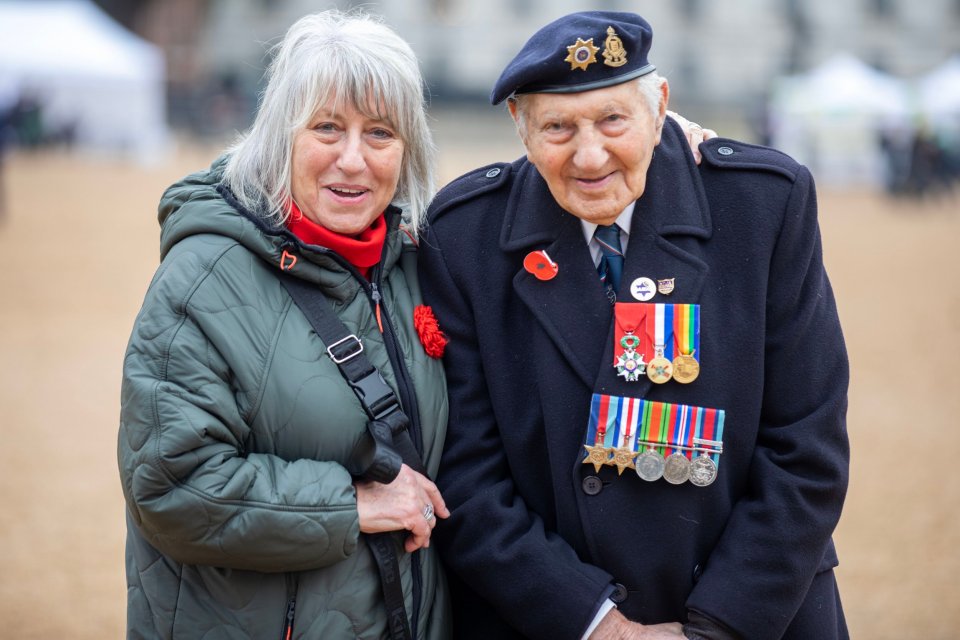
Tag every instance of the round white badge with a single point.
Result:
(643, 289)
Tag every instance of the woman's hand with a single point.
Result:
(694, 132)
(404, 504)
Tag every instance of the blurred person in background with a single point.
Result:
(258, 481)
(9, 96)
(6, 135)
(646, 371)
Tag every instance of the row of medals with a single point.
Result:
(630, 364)
(651, 466)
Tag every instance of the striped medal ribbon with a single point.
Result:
(708, 443)
(659, 330)
(676, 442)
(686, 339)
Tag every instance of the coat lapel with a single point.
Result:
(669, 220)
(572, 307)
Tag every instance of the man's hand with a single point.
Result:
(615, 626)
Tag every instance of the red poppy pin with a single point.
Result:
(428, 329)
(540, 265)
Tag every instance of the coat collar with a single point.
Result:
(572, 307)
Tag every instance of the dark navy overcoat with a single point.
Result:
(535, 542)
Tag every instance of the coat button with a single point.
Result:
(619, 594)
(493, 173)
(697, 572)
(592, 485)
(725, 151)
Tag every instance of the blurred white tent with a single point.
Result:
(938, 93)
(88, 73)
(831, 120)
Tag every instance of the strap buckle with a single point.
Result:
(375, 394)
(353, 348)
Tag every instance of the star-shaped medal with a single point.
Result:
(623, 459)
(597, 455)
(630, 365)
(581, 54)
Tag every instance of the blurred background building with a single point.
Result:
(846, 87)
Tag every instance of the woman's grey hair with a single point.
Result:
(648, 86)
(349, 58)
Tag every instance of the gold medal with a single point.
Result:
(685, 368)
(597, 455)
(659, 369)
(623, 459)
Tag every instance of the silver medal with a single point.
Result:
(676, 468)
(649, 465)
(703, 471)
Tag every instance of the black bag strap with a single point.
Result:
(388, 423)
(387, 426)
(384, 550)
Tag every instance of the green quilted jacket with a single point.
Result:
(238, 434)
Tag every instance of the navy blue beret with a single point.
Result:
(579, 52)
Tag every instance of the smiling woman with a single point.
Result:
(263, 493)
(346, 167)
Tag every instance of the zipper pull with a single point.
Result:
(375, 296)
(290, 607)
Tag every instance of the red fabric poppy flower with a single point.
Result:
(428, 329)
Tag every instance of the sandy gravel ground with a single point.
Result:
(78, 244)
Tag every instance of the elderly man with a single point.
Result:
(646, 371)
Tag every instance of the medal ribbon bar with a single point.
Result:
(668, 330)
(619, 424)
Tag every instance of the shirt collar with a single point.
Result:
(623, 221)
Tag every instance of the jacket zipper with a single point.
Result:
(405, 386)
(409, 400)
(293, 584)
(288, 626)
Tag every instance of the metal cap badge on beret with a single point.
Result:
(579, 52)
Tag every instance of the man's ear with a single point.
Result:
(512, 106)
(664, 101)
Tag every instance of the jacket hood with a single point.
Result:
(196, 205)
(202, 204)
